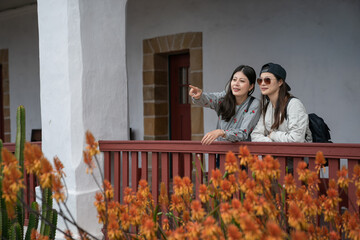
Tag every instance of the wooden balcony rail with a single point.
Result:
(29, 181)
(126, 162)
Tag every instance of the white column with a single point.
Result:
(83, 87)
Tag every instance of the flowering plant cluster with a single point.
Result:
(233, 205)
(236, 205)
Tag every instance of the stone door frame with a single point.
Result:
(156, 82)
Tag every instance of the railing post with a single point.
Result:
(125, 170)
(134, 171)
(117, 174)
(144, 166)
(199, 173)
(175, 164)
(155, 176)
(353, 207)
(187, 165)
(107, 168)
(295, 173)
(165, 176)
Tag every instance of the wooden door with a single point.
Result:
(1, 107)
(180, 121)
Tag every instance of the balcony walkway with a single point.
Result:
(126, 162)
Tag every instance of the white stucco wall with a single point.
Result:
(19, 34)
(317, 42)
(83, 87)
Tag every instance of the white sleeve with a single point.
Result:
(258, 134)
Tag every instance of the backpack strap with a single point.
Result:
(285, 112)
(249, 103)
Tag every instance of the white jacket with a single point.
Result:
(294, 128)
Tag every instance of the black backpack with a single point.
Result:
(319, 129)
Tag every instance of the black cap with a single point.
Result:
(277, 70)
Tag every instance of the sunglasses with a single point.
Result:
(266, 80)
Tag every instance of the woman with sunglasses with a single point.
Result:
(238, 111)
(283, 117)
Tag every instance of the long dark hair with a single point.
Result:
(228, 105)
(283, 97)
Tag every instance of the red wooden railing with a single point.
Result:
(29, 181)
(122, 159)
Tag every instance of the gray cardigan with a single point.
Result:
(241, 124)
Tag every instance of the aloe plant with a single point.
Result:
(14, 229)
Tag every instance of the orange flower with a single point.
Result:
(32, 158)
(100, 207)
(163, 198)
(178, 234)
(289, 181)
(272, 167)
(299, 235)
(356, 172)
(358, 196)
(203, 193)
(187, 186)
(225, 190)
(186, 216)
(210, 230)
(231, 164)
(245, 156)
(113, 228)
(108, 190)
(58, 190)
(296, 217)
(12, 181)
(88, 160)
(225, 212)
(319, 161)
(262, 206)
(176, 203)
(128, 196)
(343, 180)
(67, 236)
(92, 145)
(308, 205)
(216, 177)
(165, 224)
(332, 195)
(144, 194)
(46, 174)
(59, 166)
(197, 212)
(148, 228)
(274, 232)
(125, 221)
(35, 235)
(234, 233)
(243, 176)
(135, 215)
(302, 170)
(250, 227)
(233, 181)
(193, 230)
(334, 236)
(259, 169)
(178, 186)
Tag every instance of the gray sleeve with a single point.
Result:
(240, 130)
(210, 100)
